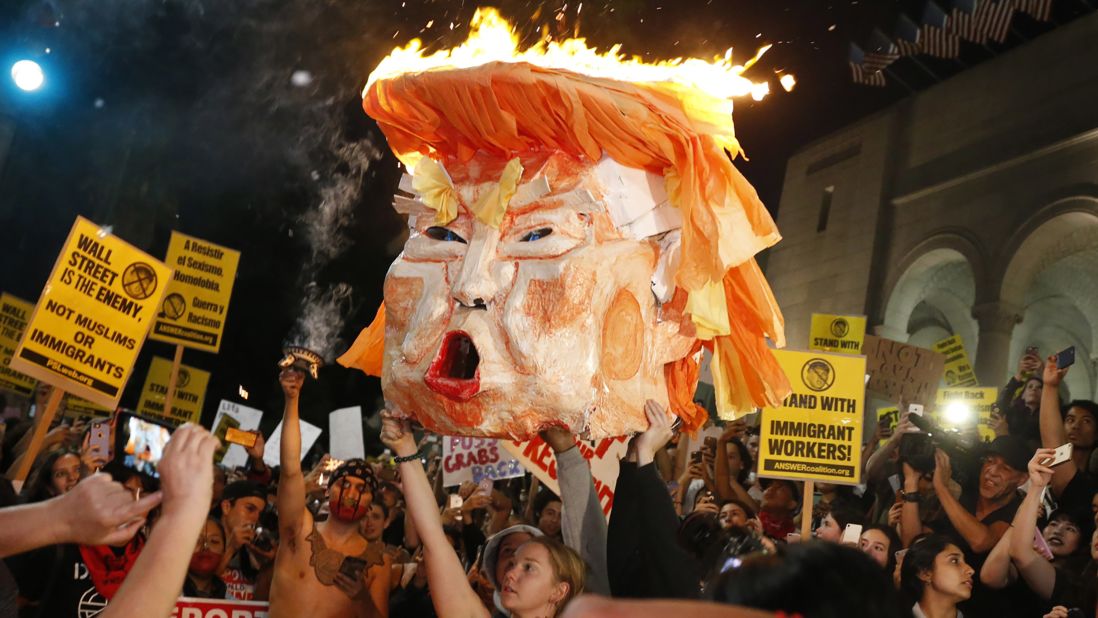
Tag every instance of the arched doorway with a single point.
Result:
(1052, 276)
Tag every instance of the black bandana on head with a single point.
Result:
(357, 468)
(339, 505)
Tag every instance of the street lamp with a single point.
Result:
(27, 75)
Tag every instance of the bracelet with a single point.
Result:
(910, 497)
(414, 456)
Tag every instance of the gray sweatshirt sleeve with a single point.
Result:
(582, 521)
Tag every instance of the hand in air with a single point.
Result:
(291, 380)
(1040, 474)
(1053, 374)
(99, 511)
(397, 435)
(659, 432)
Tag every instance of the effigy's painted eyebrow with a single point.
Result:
(530, 192)
(411, 207)
(579, 200)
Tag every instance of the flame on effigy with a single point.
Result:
(493, 39)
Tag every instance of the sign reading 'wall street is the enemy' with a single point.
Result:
(194, 309)
(816, 433)
(14, 313)
(93, 315)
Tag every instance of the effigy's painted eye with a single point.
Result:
(444, 234)
(537, 234)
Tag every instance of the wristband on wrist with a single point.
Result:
(909, 496)
(414, 456)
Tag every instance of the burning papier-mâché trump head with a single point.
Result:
(577, 234)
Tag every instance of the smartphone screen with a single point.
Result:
(1066, 358)
(455, 501)
(1041, 545)
(851, 534)
(99, 440)
(1063, 453)
(142, 444)
(352, 567)
(484, 487)
(246, 439)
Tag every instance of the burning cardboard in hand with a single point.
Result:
(302, 359)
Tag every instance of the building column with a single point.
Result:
(889, 332)
(997, 321)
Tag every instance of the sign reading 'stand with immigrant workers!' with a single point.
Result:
(197, 301)
(190, 392)
(837, 333)
(816, 433)
(93, 315)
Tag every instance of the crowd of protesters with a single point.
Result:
(942, 525)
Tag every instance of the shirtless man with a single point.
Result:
(310, 575)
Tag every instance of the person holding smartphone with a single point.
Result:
(543, 577)
(1020, 399)
(242, 502)
(326, 568)
(1072, 483)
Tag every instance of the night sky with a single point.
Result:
(240, 123)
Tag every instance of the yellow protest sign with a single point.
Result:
(960, 408)
(76, 407)
(837, 333)
(14, 313)
(194, 309)
(816, 433)
(93, 315)
(888, 417)
(958, 369)
(190, 392)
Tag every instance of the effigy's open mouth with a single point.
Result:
(454, 372)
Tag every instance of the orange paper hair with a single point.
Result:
(368, 351)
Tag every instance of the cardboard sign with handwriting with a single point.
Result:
(898, 371)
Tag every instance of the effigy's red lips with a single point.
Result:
(455, 370)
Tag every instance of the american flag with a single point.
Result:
(860, 73)
(993, 20)
(1041, 10)
(907, 37)
(963, 20)
(934, 39)
(881, 51)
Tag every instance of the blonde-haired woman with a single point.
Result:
(542, 578)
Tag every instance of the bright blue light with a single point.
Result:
(27, 75)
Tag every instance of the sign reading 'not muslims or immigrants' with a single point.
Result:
(93, 315)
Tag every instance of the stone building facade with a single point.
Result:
(970, 208)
